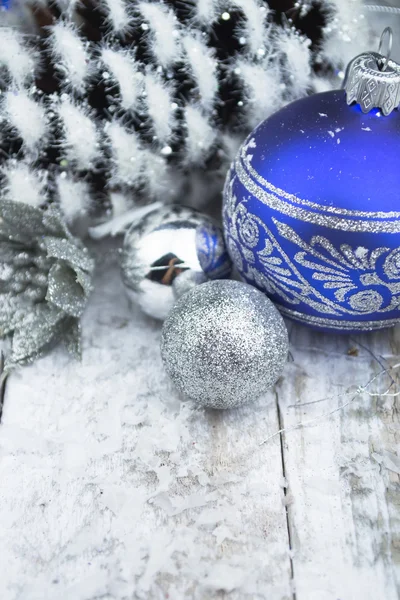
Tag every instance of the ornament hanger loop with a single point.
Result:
(387, 31)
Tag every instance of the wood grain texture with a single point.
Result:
(342, 511)
(113, 488)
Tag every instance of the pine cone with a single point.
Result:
(45, 281)
(114, 103)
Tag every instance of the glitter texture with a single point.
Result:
(223, 344)
(45, 281)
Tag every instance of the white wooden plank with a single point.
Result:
(111, 487)
(343, 505)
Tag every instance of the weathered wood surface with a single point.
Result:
(113, 488)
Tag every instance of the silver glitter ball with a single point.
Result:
(166, 243)
(224, 344)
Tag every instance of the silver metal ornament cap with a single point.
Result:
(373, 80)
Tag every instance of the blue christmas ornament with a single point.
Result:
(312, 204)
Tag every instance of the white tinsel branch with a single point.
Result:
(24, 183)
(26, 116)
(164, 32)
(71, 56)
(16, 58)
(81, 138)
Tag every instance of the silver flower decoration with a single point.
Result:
(45, 281)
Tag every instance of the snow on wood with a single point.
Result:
(344, 519)
(113, 487)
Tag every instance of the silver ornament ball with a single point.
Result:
(186, 281)
(163, 245)
(223, 344)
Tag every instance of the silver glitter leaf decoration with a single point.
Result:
(22, 218)
(65, 291)
(12, 311)
(55, 225)
(85, 280)
(36, 334)
(7, 252)
(9, 233)
(72, 337)
(65, 250)
(45, 281)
